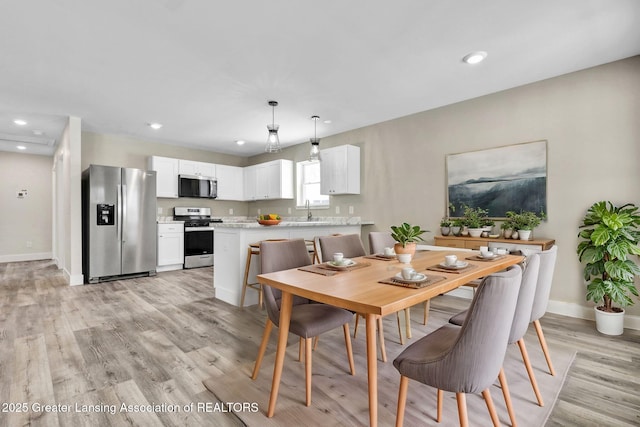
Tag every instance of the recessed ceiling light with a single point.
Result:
(21, 147)
(155, 126)
(326, 122)
(240, 142)
(20, 122)
(475, 57)
(38, 132)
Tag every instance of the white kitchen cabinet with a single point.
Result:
(190, 167)
(340, 170)
(270, 180)
(230, 182)
(166, 175)
(249, 173)
(170, 246)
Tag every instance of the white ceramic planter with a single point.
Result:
(609, 323)
(475, 232)
(524, 234)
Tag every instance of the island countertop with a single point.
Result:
(286, 223)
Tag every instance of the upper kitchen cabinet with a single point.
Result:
(270, 180)
(190, 167)
(340, 170)
(166, 175)
(230, 182)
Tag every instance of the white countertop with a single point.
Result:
(287, 224)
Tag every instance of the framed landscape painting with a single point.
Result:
(502, 179)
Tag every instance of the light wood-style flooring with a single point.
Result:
(149, 341)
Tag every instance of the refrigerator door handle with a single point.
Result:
(124, 210)
(119, 215)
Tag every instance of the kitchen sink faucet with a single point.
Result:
(308, 206)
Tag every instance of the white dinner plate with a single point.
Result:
(347, 263)
(458, 265)
(487, 257)
(418, 278)
(386, 256)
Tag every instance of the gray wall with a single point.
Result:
(27, 219)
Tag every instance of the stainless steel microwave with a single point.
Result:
(197, 186)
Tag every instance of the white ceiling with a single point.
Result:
(206, 69)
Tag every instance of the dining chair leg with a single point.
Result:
(300, 349)
(427, 307)
(439, 405)
(347, 342)
(383, 350)
(527, 365)
(307, 369)
(402, 400)
(399, 328)
(507, 397)
(492, 409)
(407, 321)
(543, 344)
(315, 343)
(462, 409)
(355, 328)
(263, 347)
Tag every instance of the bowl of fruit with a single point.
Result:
(269, 219)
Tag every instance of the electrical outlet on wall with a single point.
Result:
(159, 211)
(230, 211)
(29, 244)
(350, 210)
(337, 209)
(259, 211)
(289, 210)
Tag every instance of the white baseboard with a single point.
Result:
(73, 280)
(582, 312)
(26, 257)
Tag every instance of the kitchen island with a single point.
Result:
(233, 238)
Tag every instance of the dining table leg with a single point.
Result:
(372, 369)
(285, 318)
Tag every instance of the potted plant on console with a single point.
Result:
(407, 237)
(524, 222)
(610, 234)
(445, 226)
(475, 219)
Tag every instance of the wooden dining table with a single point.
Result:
(360, 290)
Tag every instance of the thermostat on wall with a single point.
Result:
(22, 194)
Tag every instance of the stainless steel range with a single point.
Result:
(198, 235)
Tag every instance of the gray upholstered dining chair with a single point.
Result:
(351, 246)
(518, 328)
(465, 359)
(541, 300)
(308, 319)
(378, 240)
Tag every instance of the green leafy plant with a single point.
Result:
(475, 217)
(525, 220)
(406, 233)
(610, 235)
(445, 222)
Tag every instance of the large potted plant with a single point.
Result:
(407, 237)
(610, 234)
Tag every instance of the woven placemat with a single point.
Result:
(451, 270)
(479, 258)
(381, 257)
(327, 270)
(430, 280)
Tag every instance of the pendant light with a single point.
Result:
(273, 142)
(314, 155)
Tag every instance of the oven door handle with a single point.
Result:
(188, 229)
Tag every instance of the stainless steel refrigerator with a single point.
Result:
(118, 223)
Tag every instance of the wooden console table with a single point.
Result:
(468, 242)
